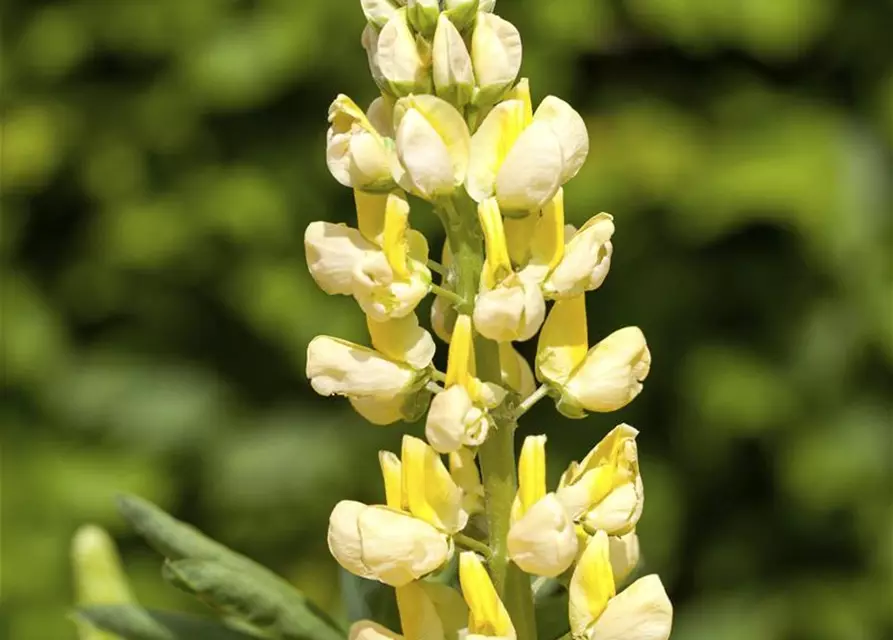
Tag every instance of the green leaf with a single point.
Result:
(369, 600)
(135, 623)
(552, 617)
(225, 578)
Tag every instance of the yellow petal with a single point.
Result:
(497, 265)
(396, 223)
(591, 586)
(516, 372)
(380, 411)
(487, 615)
(548, 238)
(532, 472)
(431, 493)
(371, 214)
(521, 91)
(403, 340)
(418, 617)
(489, 146)
(465, 473)
(460, 362)
(392, 472)
(563, 341)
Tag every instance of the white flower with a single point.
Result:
(385, 544)
(586, 260)
(356, 153)
(523, 162)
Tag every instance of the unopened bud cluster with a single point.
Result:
(455, 127)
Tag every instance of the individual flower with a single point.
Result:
(459, 415)
(507, 307)
(358, 154)
(487, 615)
(596, 611)
(521, 160)
(432, 144)
(604, 491)
(542, 540)
(605, 378)
(496, 55)
(408, 537)
(452, 71)
(395, 61)
(384, 384)
(382, 265)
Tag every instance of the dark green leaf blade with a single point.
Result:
(135, 623)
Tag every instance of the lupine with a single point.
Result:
(455, 128)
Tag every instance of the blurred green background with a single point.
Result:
(161, 159)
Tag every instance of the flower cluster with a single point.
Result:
(454, 131)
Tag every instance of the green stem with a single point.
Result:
(474, 545)
(497, 454)
(449, 295)
(531, 400)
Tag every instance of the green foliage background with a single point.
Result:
(160, 160)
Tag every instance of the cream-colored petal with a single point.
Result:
(380, 411)
(381, 115)
(344, 537)
(403, 340)
(452, 71)
(625, 553)
(378, 12)
(399, 548)
(334, 251)
(586, 261)
(543, 542)
(570, 130)
(496, 53)
(531, 173)
(425, 156)
(642, 611)
(369, 630)
(511, 312)
(445, 427)
(447, 122)
(489, 146)
(339, 367)
(398, 56)
(370, 162)
(619, 511)
(338, 156)
(611, 375)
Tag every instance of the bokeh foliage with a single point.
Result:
(160, 160)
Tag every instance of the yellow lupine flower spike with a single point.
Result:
(430, 492)
(392, 473)
(497, 264)
(592, 585)
(487, 616)
(396, 223)
(531, 473)
(564, 340)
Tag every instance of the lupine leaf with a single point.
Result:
(369, 600)
(552, 617)
(132, 622)
(226, 579)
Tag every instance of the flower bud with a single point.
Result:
(496, 55)
(422, 15)
(586, 260)
(454, 421)
(378, 12)
(597, 612)
(397, 58)
(524, 163)
(432, 144)
(384, 544)
(543, 542)
(452, 71)
(462, 12)
(605, 491)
